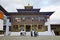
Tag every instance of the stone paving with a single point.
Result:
(29, 38)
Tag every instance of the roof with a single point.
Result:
(55, 24)
(47, 13)
(3, 10)
(25, 12)
(30, 13)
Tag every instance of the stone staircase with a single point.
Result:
(29, 38)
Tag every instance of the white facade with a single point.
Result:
(1, 24)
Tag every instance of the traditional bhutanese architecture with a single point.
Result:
(28, 19)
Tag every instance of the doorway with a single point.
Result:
(28, 28)
(57, 33)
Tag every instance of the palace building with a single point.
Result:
(27, 19)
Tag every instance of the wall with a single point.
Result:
(1, 24)
(47, 33)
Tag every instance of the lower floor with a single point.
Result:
(41, 29)
(28, 28)
(29, 33)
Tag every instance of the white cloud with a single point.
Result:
(45, 5)
(55, 17)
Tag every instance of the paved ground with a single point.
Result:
(29, 38)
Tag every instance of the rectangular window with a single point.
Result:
(9, 28)
(15, 27)
(46, 29)
(21, 27)
(39, 26)
(10, 20)
(34, 27)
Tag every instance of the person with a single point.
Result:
(22, 32)
(32, 33)
(35, 33)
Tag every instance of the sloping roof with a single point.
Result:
(47, 13)
(3, 10)
(33, 10)
(30, 13)
(25, 12)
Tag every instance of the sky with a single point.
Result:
(44, 5)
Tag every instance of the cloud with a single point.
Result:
(45, 5)
(55, 2)
(35, 3)
(55, 17)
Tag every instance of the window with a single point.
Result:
(15, 27)
(10, 20)
(21, 27)
(4, 21)
(23, 18)
(46, 28)
(34, 27)
(39, 26)
(32, 19)
(17, 19)
(9, 28)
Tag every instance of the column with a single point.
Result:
(49, 28)
(7, 27)
(31, 27)
(1, 24)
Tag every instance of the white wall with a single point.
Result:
(45, 33)
(28, 33)
(14, 33)
(18, 33)
(1, 24)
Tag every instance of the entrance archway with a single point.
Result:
(28, 28)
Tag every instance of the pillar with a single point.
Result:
(7, 27)
(49, 28)
(1, 24)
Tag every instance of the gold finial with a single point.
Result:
(28, 7)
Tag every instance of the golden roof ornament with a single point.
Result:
(28, 7)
